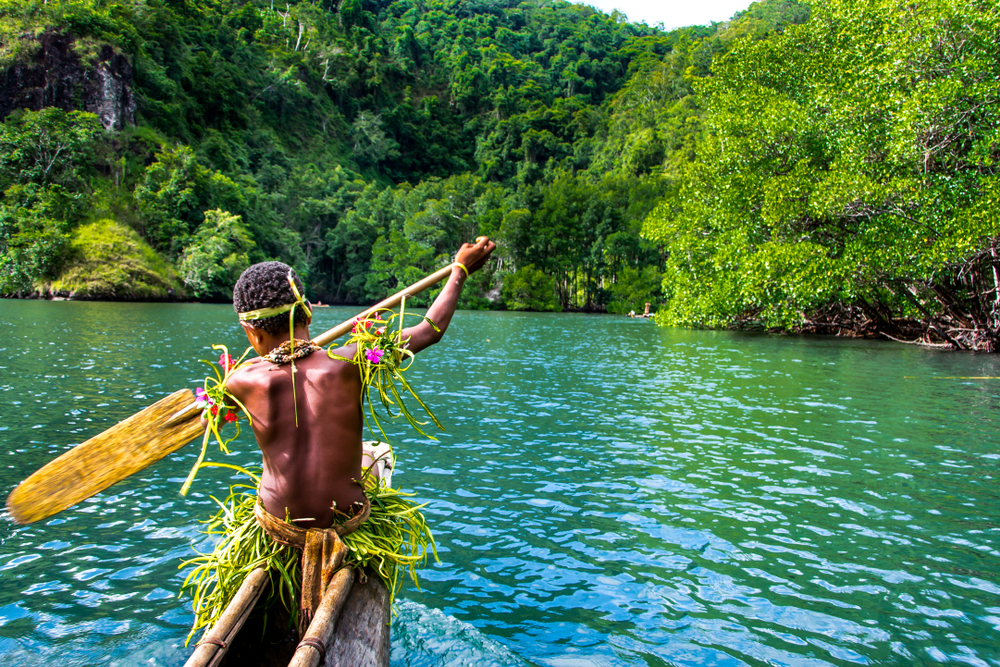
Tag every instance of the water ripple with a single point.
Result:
(606, 493)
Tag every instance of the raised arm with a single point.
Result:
(473, 256)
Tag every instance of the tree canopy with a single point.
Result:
(846, 178)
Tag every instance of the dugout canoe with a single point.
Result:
(351, 625)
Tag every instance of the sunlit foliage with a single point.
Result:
(363, 140)
(844, 177)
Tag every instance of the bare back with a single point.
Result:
(312, 467)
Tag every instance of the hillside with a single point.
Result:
(360, 141)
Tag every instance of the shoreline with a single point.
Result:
(923, 339)
(319, 304)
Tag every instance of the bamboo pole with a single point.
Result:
(324, 623)
(391, 302)
(216, 642)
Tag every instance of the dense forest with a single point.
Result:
(826, 166)
(846, 180)
(158, 147)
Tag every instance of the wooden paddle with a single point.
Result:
(142, 439)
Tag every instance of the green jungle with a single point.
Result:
(826, 166)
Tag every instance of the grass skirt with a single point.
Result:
(393, 539)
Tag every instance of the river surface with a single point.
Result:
(607, 492)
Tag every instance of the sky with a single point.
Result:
(671, 13)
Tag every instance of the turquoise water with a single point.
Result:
(607, 493)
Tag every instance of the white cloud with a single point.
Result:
(671, 13)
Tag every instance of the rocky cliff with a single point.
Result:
(56, 76)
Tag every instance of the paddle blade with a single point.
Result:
(122, 450)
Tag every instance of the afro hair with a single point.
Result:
(265, 285)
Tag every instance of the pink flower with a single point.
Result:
(374, 355)
(380, 331)
(362, 323)
(226, 361)
(201, 398)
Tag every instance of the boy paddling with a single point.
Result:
(306, 410)
(311, 470)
